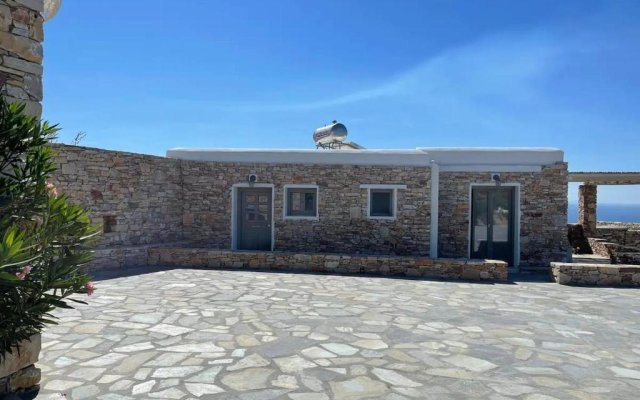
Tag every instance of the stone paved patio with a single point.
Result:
(187, 334)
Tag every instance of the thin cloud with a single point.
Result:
(500, 65)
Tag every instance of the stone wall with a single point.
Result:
(611, 234)
(601, 247)
(617, 253)
(331, 263)
(138, 196)
(17, 370)
(596, 275)
(21, 37)
(342, 225)
(624, 234)
(543, 222)
(146, 200)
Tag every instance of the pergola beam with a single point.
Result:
(606, 178)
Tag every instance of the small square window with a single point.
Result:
(109, 223)
(301, 202)
(381, 203)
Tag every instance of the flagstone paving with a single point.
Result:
(199, 334)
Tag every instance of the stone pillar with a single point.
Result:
(21, 36)
(587, 202)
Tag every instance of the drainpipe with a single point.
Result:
(435, 194)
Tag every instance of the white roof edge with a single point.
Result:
(494, 155)
(497, 149)
(422, 156)
(305, 156)
(305, 151)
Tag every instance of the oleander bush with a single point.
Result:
(45, 240)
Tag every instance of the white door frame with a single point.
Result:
(234, 217)
(516, 221)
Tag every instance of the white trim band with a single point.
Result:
(382, 186)
(490, 168)
(435, 196)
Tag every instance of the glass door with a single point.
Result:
(492, 223)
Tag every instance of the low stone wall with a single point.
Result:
(614, 234)
(595, 275)
(330, 263)
(119, 257)
(601, 247)
(17, 370)
(626, 258)
(626, 234)
(617, 253)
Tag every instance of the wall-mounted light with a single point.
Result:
(496, 179)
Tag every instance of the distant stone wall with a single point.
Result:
(543, 222)
(138, 198)
(617, 253)
(331, 263)
(601, 247)
(342, 226)
(21, 36)
(596, 275)
(624, 234)
(612, 234)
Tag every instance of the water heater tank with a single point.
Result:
(334, 132)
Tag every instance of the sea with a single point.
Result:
(610, 212)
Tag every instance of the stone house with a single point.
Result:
(508, 204)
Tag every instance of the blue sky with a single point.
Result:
(145, 76)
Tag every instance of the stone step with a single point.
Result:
(538, 269)
(590, 259)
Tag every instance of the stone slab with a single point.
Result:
(29, 353)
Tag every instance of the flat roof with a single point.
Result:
(423, 156)
(494, 155)
(305, 156)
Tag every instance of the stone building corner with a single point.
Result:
(21, 37)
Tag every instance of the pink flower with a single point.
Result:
(90, 287)
(24, 272)
(52, 189)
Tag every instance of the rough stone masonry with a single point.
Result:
(146, 201)
(21, 36)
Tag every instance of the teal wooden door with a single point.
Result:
(254, 219)
(492, 223)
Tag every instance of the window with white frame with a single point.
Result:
(381, 203)
(382, 200)
(301, 201)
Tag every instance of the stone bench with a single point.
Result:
(411, 266)
(595, 275)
